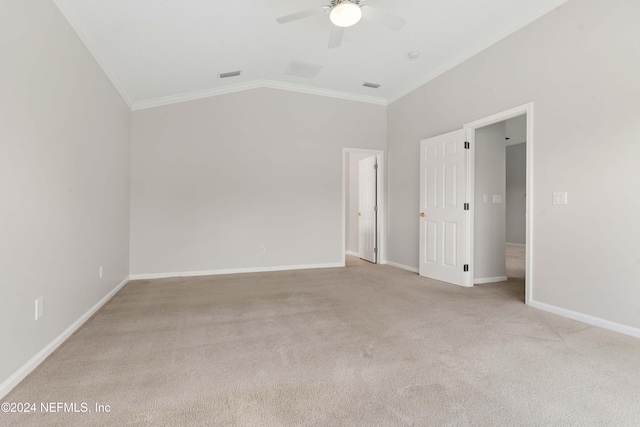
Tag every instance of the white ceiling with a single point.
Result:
(163, 51)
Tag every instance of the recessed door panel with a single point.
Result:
(450, 185)
(430, 239)
(431, 187)
(449, 240)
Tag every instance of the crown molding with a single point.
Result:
(255, 84)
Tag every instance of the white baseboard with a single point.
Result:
(233, 271)
(352, 253)
(585, 318)
(402, 266)
(33, 363)
(483, 280)
(516, 244)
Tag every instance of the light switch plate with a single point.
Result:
(560, 198)
(497, 198)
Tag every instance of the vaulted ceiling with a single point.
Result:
(163, 51)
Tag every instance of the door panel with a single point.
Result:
(443, 220)
(367, 214)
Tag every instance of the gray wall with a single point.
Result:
(64, 180)
(354, 192)
(489, 217)
(215, 179)
(516, 201)
(580, 66)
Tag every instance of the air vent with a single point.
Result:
(229, 74)
(302, 69)
(373, 85)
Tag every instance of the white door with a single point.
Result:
(367, 209)
(443, 218)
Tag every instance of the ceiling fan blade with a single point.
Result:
(385, 19)
(335, 39)
(300, 15)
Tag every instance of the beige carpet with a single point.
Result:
(364, 345)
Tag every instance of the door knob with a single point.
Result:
(359, 214)
(422, 214)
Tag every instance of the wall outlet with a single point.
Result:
(100, 272)
(559, 198)
(263, 249)
(39, 307)
(497, 198)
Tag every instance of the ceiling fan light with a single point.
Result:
(345, 14)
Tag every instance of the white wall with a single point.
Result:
(215, 179)
(516, 200)
(580, 67)
(64, 180)
(489, 217)
(516, 130)
(354, 193)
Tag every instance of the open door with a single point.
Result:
(368, 209)
(443, 208)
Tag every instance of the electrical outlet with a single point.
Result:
(263, 249)
(560, 198)
(39, 307)
(497, 198)
(100, 272)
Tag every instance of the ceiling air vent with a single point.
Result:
(229, 74)
(373, 85)
(302, 69)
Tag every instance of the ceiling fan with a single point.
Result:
(345, 13)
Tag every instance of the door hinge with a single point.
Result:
(466, 206)
(375, 208)
(375, 166)
(466, 267)
(375, 250)
(467, 145)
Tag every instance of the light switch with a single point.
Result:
(497, 198)
(560, 198)
(485, 198)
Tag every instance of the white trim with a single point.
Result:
(33, 363)
(402, 266)
(516, 244)
(352, 253)
(483, 280)
(233, 271)
(471, 127)
(585, 318)
(255, 84)
(516, 25)
(382, 200)
(73, 19)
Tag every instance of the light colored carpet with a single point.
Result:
(364, 345)
(515, 260)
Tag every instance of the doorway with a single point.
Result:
(507, 247)
(500, 202)
(363, 204)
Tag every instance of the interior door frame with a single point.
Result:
(471, 137)
(381, 199)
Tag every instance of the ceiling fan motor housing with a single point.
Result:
(345, 13)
